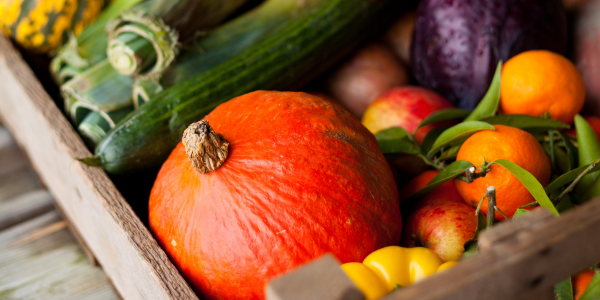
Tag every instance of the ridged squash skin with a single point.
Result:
(43, 25)
(302, 178)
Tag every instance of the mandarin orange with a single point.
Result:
(508, 143)
(581, 282)
(538, 82)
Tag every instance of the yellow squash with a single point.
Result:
(43, 25)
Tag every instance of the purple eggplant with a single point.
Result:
(458, 43)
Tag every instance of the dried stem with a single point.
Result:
(491, 195)
(206, 149)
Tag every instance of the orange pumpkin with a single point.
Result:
(288, 177)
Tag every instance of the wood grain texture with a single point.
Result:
(523, 262)
(40, 260)
(320, 279)
(24, 207)
(138, 267)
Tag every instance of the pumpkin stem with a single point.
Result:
(206, 149)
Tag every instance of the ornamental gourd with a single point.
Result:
(43, 25)
(266, 182)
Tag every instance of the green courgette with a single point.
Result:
(291, 56)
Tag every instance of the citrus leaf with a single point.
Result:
(396, 140)
(526, 122)
(529, 181)
(489, 104)
(470, 246)
(588, 147)
(431, 137)
(451, 153)
(564, 204)
(457, 132)
(520, 212)
(593, 191)
(563, 160)
(450, 172)
(566, 178)
(444, 115)
(564, 290)
(592, 292)
(571, 150)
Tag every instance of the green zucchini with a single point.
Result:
(301, 49)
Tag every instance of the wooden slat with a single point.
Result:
(138, 267)
(11, 158)
(18, 182)
(522, 263)
(24, 207)
(321, 279)
(40, 260)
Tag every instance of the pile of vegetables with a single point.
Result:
(253, 183)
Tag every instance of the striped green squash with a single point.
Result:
(298, 51)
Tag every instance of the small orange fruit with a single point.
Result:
(581, 282)
(538, 82)
(507, 143)
(445, 193)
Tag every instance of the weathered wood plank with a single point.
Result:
(11, 158)
(18, 182)
(522, 262)
(138, 267)
(321, 279)
(38, 261)
(24, 207)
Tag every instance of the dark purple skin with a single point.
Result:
(458, 43)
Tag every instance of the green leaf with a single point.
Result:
(593, 191)
(450, 172)
(470, 246)
(458, 132)
(451, 153)
(588, 146)
(520, 212)
(571, 150)
(566, 178)
(564, 204)
(489, 104)
(564, 290)
(592, 292)
(396, 140)
(526, 122)
(529, 181)
(431, 137)
(563, 160)
(444, 115)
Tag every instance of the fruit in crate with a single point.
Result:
(398, 266)
(300, 177)
(445, 193)
(515, 145)
(371, 71)
(404, 107)
(443, 227)
(540, 83)
(43, 25)
(457, 44)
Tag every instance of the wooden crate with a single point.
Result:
(518, 260)
(124, 247)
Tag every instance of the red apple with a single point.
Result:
(446, 192)
(404, 107)
(443, 227)
(369, 72)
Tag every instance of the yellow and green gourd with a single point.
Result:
(43, 25)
